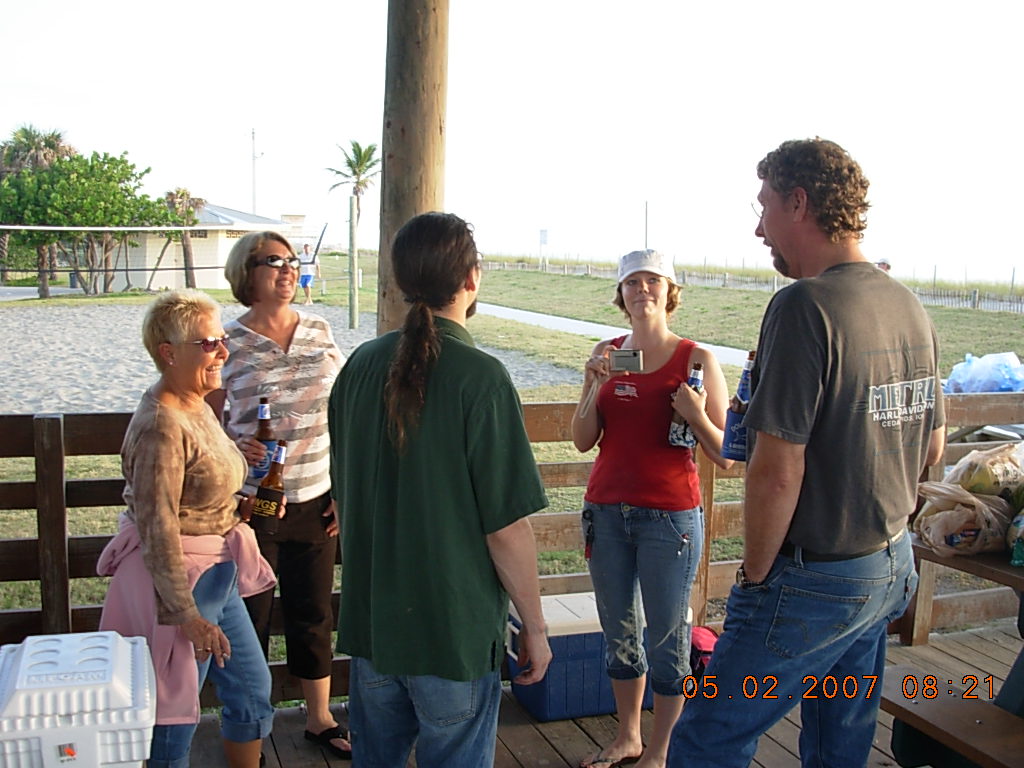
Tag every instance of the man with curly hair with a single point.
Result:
(846, 412)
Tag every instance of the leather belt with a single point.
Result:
(788, 549)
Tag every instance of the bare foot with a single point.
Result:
(613, 755)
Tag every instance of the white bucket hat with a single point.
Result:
(647, 261)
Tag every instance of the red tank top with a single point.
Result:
(635, 464)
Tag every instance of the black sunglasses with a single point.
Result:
(277, 262)
(209, 344)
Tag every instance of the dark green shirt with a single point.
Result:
(419, 593)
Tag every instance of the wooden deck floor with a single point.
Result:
(988, 650)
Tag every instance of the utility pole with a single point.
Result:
(353, 266)
(255, 157)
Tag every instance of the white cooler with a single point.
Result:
(78, 700)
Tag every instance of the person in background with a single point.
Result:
(309, 268)
(642, 518)
(181, 559)
(883, 264)
(289, 357)
(846, 413)
(435, 479)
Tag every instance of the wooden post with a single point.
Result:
(353, 264)
(415, 91)
(52, 523)
(706, 469)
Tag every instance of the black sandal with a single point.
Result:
(324, 740)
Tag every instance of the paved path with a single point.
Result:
(597, 331)
(13, 293)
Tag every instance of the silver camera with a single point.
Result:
(627, 360)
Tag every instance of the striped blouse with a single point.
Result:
(297, 383)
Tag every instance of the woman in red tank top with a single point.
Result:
(642, 520)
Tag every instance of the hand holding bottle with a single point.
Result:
(680, 433)
(689, 402)
(253, 450)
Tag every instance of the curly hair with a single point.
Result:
(432, 256)
(835, 185)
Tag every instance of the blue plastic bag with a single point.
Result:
(995, 372)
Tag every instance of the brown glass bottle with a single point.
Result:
(270, 494)
(266, 436)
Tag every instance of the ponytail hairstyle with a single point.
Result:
(432, 256)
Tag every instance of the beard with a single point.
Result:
(780, 264)
(471, 310)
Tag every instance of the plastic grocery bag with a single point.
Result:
(989, 471)
(954, 521)
(995, 372)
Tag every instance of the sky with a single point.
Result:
(611, 126)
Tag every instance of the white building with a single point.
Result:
(221, 228)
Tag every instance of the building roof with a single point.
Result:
(218, 217)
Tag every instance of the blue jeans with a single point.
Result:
(813, 632)
(649, 554)
(453, 724)
(243, 685)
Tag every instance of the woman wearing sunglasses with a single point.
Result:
(181, 561)
(289, 357)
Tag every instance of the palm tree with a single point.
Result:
(358, 171)
(30, 149)
(186, 208)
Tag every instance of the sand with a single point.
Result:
(91, 358)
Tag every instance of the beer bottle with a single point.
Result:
(270, 494)
(679, 431)
(734, 441)
(264, 435)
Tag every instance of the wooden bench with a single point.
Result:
(978, 729)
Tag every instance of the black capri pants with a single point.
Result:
(302, 555)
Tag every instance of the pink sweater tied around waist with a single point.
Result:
(130, 606)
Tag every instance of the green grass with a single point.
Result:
(727, 316)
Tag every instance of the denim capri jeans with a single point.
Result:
(243, 685)
(649, 557)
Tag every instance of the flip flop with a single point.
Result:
(324, 740)
(601, 761)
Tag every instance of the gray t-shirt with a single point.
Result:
(847, 364)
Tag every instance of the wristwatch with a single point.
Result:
(743, 581)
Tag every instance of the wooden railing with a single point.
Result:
(54, 558)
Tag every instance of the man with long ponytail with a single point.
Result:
(434, 480)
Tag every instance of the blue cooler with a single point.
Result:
(576, 684)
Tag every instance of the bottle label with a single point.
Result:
(263, 411)
(280, 451)
(264, 510)
(259, 471)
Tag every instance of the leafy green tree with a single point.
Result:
(359, 170)
(77, 191)
(30, 149)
